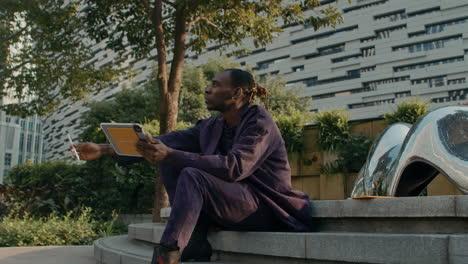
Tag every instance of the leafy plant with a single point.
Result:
(25, 230)
(331, 168)
(408, 111)
(333, 128)
(40, 189)
(334, 135)
(55, 230)
(291, 126)
(353, 154)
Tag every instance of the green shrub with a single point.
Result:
(408, 111)
(353, 154)
(333, 129)
(334, 135)
(40, 189)
(291, 125)
(52, 230)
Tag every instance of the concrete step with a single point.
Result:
(121, 250)
(395, 230)
(264, 247)
(402, 215)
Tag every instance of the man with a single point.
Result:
(230, 170)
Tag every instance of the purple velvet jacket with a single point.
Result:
(258, 157)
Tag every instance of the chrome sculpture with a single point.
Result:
(404, 159)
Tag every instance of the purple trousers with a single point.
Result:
(193, 192)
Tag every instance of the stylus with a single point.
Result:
(73, 147)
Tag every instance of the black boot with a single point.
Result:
(165, 255)
(198, 248)
(199, 251)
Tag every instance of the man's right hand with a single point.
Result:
(90, 151)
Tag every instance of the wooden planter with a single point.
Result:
(336, 186)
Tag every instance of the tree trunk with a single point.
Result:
(160, 198)
(169, 89)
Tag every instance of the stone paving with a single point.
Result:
(47, 255)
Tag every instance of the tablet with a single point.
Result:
(123, 137)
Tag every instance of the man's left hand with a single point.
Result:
(153, 150)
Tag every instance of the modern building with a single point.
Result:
(21, 140)
(386, 51)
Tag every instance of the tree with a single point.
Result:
(136, 28)
(289, 109)
(408, 111)
(47, 56)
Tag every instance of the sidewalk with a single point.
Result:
(47, 255)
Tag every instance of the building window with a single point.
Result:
(71, 113)
(392, 16)
(36, 144)
(30, 125)
(432, 82)
(368, 69)
(427, 45)
(22, 122)
(298, 68)
(341, 93)
(311, 82)
(20, 158)
(265, 64)
(368, 39)
(385, 33)
(373, 103)
(367, 52)
(323, 96)
(455, 95)
(324, 35)
(361, 7)
(21, 142)
(8, 119)
(7, 161)
(403, 94)
(456, 81)
(425, 12)
(347, 58)
(439, 27)
(354, 74)
(350, 75)
(373, 85)
(28, 143)
(331, 50)
(427, 64)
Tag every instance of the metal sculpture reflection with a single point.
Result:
(404, 159)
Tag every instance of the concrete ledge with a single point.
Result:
(378, 248)
(121, 250)
(458, 248)
(404, 207)
(118, 249)
(462, 205)
(335, 246)
(411, 225)
(260, 243)
(165, 212)
(402, 215)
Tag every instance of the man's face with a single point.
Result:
(218, 95)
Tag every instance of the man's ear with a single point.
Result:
(239, 92)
